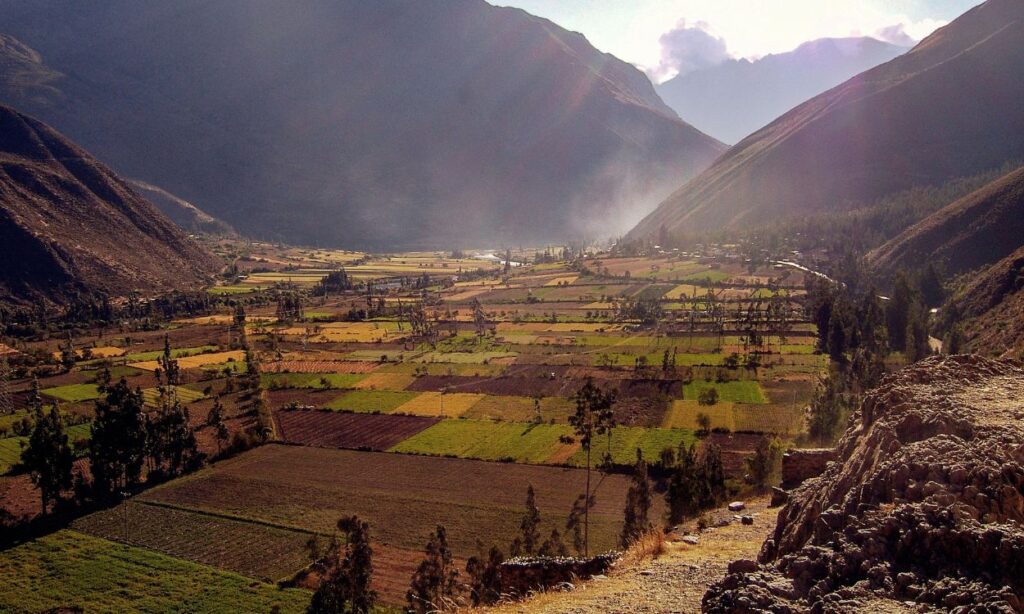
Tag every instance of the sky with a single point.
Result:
(664, 37)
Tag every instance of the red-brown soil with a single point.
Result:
(330, 429)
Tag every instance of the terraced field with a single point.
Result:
(97, 575)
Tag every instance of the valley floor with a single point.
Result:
(674, 582)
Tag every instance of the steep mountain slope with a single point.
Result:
(369, 124)
(179, 210)
(990, 309)
(948, 108)
(735, 98)
(68, 225)
(973, 232)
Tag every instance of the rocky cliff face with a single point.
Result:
(924, 510)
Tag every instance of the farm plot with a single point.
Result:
(251, 549)
(487, 440)
(626, 440)
(11, 447)
(385, 381)
(98, 575)
(404, 497)
(195, 361)
(449, 405)
(319, 366)
(521, 409)
(745, 391)
(186, 395)
(73, 393)
(382, 401)
(449, 369)
(175, 353)
(328, 429)
(685, 414)
(310, 380)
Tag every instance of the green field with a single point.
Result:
(73, 393)
(10, 447)
(175, 353)
(382, 401)
(627, 439)
(487, 440)
(69, 569)
(745, 391)
(310, 380)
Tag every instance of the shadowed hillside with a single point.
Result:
(68, 225)
(365, 124)
(973, 232)
(948, 108)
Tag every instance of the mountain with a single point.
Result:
(183, 213)
(735, 98)
(948, 108)
(971, 233)
(69, 225)
(990, 309)
(385, 124)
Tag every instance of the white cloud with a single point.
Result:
(686, 48)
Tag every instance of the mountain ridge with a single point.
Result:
(60, 208)
(876, 134)
(733, 99)
(369, 125)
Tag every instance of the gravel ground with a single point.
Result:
(674, 582)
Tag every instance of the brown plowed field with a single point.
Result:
(403, 497)
(331, 429)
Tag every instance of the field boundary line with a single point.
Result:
(226, 516)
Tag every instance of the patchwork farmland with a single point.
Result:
(432, 390)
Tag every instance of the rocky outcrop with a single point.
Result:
(924, 508)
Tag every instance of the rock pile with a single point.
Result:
(925, 508)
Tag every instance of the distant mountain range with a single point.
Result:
(733, 99)
(951, 107)
(386, 124)
(70, 226)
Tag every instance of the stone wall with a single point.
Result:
(800, 465)
(520, 576)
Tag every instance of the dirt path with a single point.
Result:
(675, 582)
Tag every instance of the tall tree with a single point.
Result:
(48, 456)
(763, 465)
(6, 400)
(595, 415)
(170, 440)
(435, 584)
(215, 420)
(118, 444)
(345, 585)
(529, 527)
(681, 494)
(484, 571)
(638, 504)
